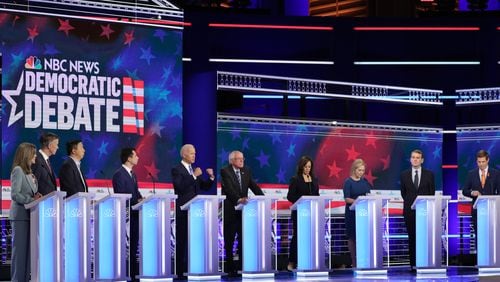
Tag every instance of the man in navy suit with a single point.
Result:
(125, 181)
(71, 176)
(236, 179)
(43, 171)
(482, 180)
(187, 183)
(414, 182)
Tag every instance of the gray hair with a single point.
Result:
(231, 155)
(184, 148)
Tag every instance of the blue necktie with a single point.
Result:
(239, 178)
(191, 170)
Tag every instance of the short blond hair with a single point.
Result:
(355, 164)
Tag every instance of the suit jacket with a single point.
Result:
(298, 188)
(70, 179)
(426, 186)
(231, 186)
(126, 184)
(185, 186)
(473, 183)
(45, 177)
(23, 189)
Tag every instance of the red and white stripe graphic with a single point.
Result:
(133, 106)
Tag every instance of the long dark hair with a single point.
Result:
(302, 162)
(23, 156)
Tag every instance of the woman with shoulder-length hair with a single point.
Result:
(302, 184)
(23, 191)
(354, 186)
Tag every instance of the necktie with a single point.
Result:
(191, 170)
(132, 174)
(83, 179)
(238, 175)
(49, 166)
(483, 179)
(415, 179)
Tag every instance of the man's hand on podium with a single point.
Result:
(475, 193)
(243, 200)
(38, 196)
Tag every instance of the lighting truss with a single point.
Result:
(279, 85)
(153, 12)
(477, 96)
(223, 117)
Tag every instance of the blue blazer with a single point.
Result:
(185, 186)
(125, 184)
(46, 179)
(473, 183)
(23, 189)
(70, 179)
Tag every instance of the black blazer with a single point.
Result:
(70, 179)
(45, 177)
(124, 183)
(185, 186)
(298, 188)
(426, 186)
(231, 187)
(473, 183)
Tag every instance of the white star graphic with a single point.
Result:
(7, 94)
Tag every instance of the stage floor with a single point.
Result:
(395, 274)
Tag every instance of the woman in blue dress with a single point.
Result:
(354, 186)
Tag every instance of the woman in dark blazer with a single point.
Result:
(23, 191)
(302, 184)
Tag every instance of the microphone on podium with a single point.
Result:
(104, 176)
(154, 183)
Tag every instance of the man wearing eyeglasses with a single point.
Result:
(236, 180)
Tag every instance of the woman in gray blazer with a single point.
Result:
(23, 190)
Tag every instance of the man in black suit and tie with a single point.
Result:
(187, 183)
(236, 179)
(71, 177)
(125, 181)
(480, 181)
(414, 182)
(43, 171)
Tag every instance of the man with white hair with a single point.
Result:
(187, 184)
(236, 179)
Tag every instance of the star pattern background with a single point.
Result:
(143, 53)
(273, 150)
(469, 143)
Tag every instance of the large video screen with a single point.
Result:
(469, 142)
(109, 84)
(272, 149)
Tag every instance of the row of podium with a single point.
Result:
(61, 228)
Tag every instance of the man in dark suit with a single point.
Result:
(481, 181)
(125, 181)
(187, 184)
(71, 178)
(43, 171)
(236, 179)
(414, 182)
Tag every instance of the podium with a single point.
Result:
(110, 238)
(154, 237)
(488, 234)
(310, 236)
(369, 227)
(203, 228)
(257, 232)
(46, 219)
(77, 236)
(428, 211)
